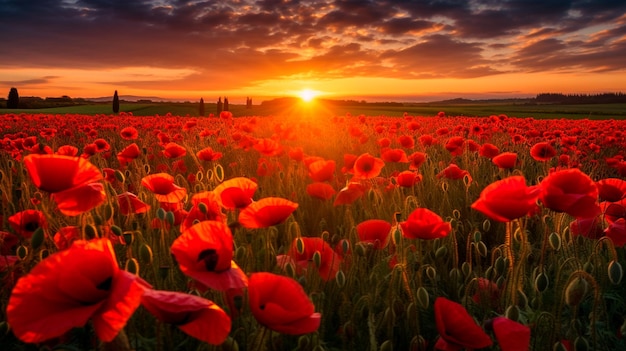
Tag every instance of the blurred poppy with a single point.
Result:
(129, 133)
(207, 154)
(416, 159)
(236, 192)
(427, 140)
(266, 212)
(204, 252)
(102, 145)
(322, 170)
(505, 160)
(24, 223)
(394, 155)
(194, 315)
(406, 141)
(542, 151)
(375, 232)
(173, 150)
(329, 261)
(367, 166)
(163, 187)
(612, 211)
(130, 203)
(422, 223)
(281, 304)
(507, 199)
(457, 329)
(65, 236)
(268, 147)
(322, 191)
(488, 150)
(511, 335)
(407, 179)
(67, 150)
(128, 154)
(570, 191)
(611, 189)
(8, 242)
(71, 287)
(349, 194)
(56, 173)
(454, 172)
(296, 154)
(616, 231)
(588, 227)
(487, 292)
(454, 145)
(348, 163)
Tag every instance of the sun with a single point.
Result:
(307, 95)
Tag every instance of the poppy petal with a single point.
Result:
(266, 212)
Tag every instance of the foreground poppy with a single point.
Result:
(236, 193)
(128, 154)
(266, 212)
(349, 194)
(81, 199)
(505, 160)
(425, 224)
(204, 252)
(367, 166)
(71, 287)
(611, 189)
(163, 187)
(281, 304)
(570, 191)
(375, 232)
(507, 199)
(457, 329)
(129, 203)
(56, 173)
(194, 315)
(542, 151)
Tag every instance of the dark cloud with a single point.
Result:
(274, 39)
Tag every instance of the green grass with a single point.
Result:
(582, 111)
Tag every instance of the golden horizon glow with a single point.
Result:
(307, 95)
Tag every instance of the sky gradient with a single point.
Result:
(406, 50)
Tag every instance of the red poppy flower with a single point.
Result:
(129, 133)
(394, 155)
(453, 172)
(296, 154)
(8, 242)
(542, 151)
(375, 232)
(56, 173)
(612, 211)
(611, 189)
(505, 160)
(267, 212)
(416, 159)
(128, 154)
(570, 191)
(268, 147)
(236, 192)
(206, 207)
(322, 191)
(64, 238)
(408, 179)
(488, 150)
(130, 203)
(367, 166)
(163, 187)
(25, 222)
(455, 145)
(616, 231)
(207, 154)
(588, 227)
(422, 223)
(204, 252)
(71, 287)
(281, 304)
(507, 199)
(349, 194)
(67, 150)
(486, 292)
(102, 145)
(348, 163)
(173, 150)
(80, 199)
(406, 141)
(511, 335)
(329, 260)
(457, 329)
(322, 170)
(427, 140)
(194, 315)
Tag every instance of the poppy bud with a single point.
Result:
(199, 176)
(499, 265)
(481, 248)
(466, 269)
(486, 225)
(230, 345)
(444, 187)
(160, 213)
(43, 254)
(164, 271)
(360, 249)
(119, 176)
(615, 272)
(145, 254)
(477, 237)
(132, 266)
(90, 231)
(558, 346)
(397, 236)
(555, 241)
(37, 239)
(219, 172)
(146, 167)
(386, 346)
(345, 246)
(512, 312)
(581, 344)
(21, 252)
(300, 246)
(431, 273)
(542, 282)
(116, 230)
(422, 297)
(203, 208)
(441, 252)
(340, 278)
(588, 267)
(576, 291)
(170, 218)
(317, 259)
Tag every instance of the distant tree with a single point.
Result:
(248, 102)
(201, 108)
(225, 104)
(116, 103)
(13, 101)
(219, 106)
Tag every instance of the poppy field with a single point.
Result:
(122, 232)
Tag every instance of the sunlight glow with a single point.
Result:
(307, 95)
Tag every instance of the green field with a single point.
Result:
(552, 111)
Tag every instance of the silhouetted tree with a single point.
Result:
(13, 101)
(225, 104)
(116, 103)
(248, 102)
(201, 108)
(219, 106)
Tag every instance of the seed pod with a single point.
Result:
(486, 225)
(512, 312)
(119, 176)
(170, 218)
(230, 344)
(132, 266)
(541, 282)
(441, 252)
(300, 246)
(423, 299)
(431, 273)
(116, 230)
(477, 237)
(90, 231)
(466, 269)
(128, 237)
(616, 273)
(161, 213)
(21, 252)
(317, 259)
(37, 239)
(576, 291)
(340, 278)
(481, 248)
(145, 254)
(555, 241)
(219, 172)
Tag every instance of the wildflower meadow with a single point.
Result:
(300, 232)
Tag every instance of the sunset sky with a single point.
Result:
(405, 50)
